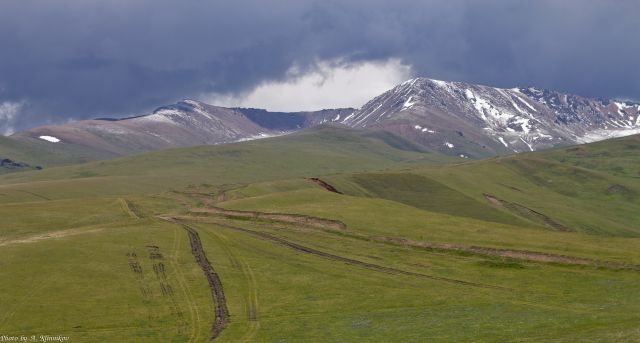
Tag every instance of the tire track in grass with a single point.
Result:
(519, 255)
(251, 298)
(254, 323)
(349, 261)
(297, 219)
(23, 300)
(215, 284)
(127, 208)
(34, 194)
(193, 309)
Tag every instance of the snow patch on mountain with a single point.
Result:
(162, 116)
(622, 107)
(408, 103)
(503, 142)
(50, 139)
(440, 83)
(261, 135)
(423, 129)
(519, 118)
(599, 135)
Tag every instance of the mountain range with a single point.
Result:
(186, 123)
(478, 121)
(453, 118)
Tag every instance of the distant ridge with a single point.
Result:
(454, 118)
(475, 121)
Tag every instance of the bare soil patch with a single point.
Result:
(221, 197)
(528, 213)
(324, 185)
(49, 235)
(280, 217)
(524, 255)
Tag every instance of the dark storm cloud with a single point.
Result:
(79, 59)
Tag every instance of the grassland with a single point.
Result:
(102, 251)
(44, 154)
(317, 152)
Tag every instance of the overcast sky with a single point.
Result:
(75, 59)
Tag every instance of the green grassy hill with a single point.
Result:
(235, 243)
(43, 154)
(551, 189)
(323, 150)
(538, 191)
(615, 156)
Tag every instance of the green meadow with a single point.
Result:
(537, 247)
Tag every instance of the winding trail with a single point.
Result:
(251, 297)
(222, 317)
(527, 213)
(521, 255)
(127, 207)
(193, 309)
(34, 194)
(288, 218)
(346, 260)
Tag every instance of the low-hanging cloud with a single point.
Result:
(82, 59)
(329, 85)
(9, 112)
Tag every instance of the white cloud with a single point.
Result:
(329, 85)
(8, 114)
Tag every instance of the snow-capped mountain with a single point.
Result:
(454, 118)
(186, 123)
(474, 120)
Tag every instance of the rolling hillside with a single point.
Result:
(562, 190)
(325, 150)
(329, 235)
(30, 155)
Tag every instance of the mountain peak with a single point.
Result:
(486, 120)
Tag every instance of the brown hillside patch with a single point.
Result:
(281, 217)
(49, 235)
(324, 185)
(527, 213)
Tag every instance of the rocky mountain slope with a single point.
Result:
(475, 121)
